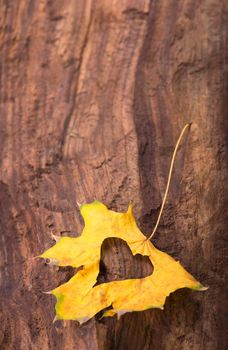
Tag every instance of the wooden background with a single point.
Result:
(93, 95)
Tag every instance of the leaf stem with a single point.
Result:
(169, 178)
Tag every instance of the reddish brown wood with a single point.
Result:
(93, 97)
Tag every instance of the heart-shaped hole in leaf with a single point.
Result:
(118, 263)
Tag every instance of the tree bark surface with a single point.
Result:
(93, 95)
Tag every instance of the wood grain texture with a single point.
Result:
(93, 95)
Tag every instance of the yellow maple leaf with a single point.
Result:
(79, 300)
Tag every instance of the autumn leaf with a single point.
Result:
(79, 300)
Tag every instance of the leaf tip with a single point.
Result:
(203, 288)
(55, 238)
(48, 292)
(79, 204)
(122, 312)
(37, 257)
(55, 319)
(130, 208)
(83, 320)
